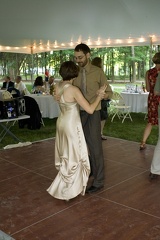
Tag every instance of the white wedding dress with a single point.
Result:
(71, 154)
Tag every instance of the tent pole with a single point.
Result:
(150, 53)
(32, 65)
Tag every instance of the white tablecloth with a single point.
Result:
(137, 101)
(47, 104)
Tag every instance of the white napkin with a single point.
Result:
(17, 145)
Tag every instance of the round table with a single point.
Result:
(137, 101)
(47, 105)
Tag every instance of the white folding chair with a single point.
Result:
(42, 122)
(119, 108)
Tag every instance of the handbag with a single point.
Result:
(8, 109)
(6, 95)
(20, 106)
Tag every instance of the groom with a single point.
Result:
(95, 78)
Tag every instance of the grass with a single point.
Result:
(29, 86)
(27, 135)
(131, 131)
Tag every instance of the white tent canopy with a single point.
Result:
(45, 25)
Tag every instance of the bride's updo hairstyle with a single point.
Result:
(68, 70)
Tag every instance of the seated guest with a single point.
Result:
(51, 81)
(38, 85)
(51, 85)
(7, 83)
(20, 86)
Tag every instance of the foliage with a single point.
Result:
(12, 63)
(119, 62)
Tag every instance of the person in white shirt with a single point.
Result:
(20, 85)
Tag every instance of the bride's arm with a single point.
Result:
(84, 103)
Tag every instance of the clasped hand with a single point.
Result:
(101, 92)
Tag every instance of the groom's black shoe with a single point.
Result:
(93, 189)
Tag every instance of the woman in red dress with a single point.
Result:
(153, 101)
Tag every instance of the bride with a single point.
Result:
(71, 154)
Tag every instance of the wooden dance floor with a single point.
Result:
(128, 208)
